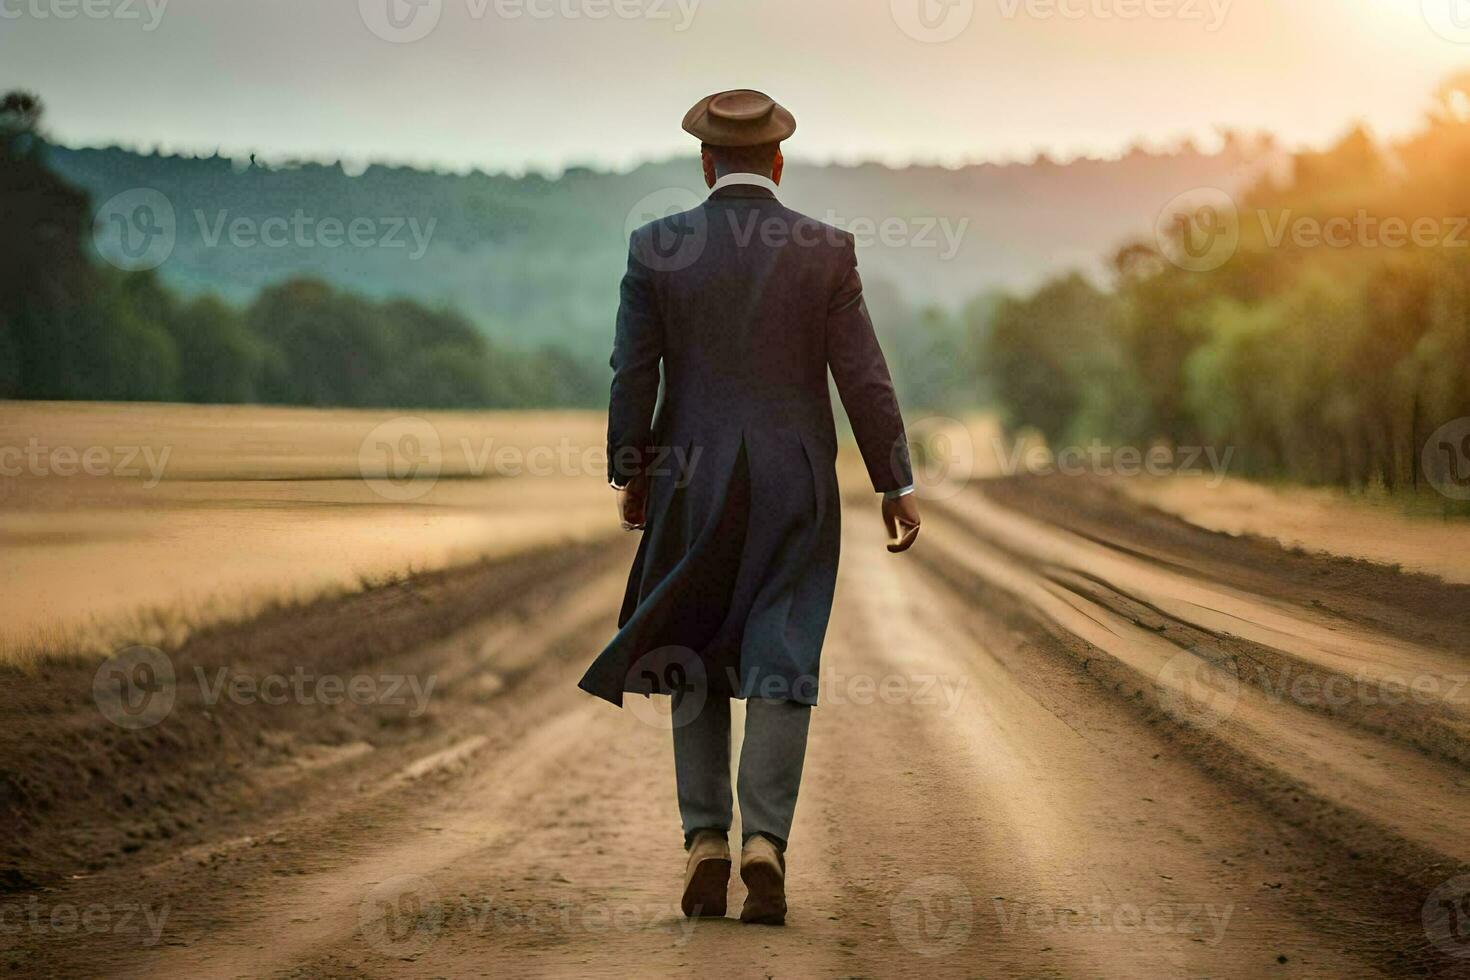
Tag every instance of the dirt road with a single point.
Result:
(1065, 737)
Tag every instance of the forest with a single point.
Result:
(73, 327)
(1326, 346)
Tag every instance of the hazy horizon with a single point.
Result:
(1068, 78)
(355, 165)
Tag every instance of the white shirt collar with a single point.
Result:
(755, 180)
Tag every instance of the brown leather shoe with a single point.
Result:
(763, 869)
(706, 876)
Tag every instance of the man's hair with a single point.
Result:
(744, 159)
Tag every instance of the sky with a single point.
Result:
(516, 85)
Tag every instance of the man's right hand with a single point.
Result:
(901, 517)
(633, 504)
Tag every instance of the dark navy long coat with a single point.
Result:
(745, 305)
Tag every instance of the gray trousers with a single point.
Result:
(770, 765)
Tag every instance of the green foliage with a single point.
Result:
(325, 347)
(534, 261)
(220, 359)
(43, 269)
(1323, 363)
(71, 329)
(932, 353)
(1050, 355)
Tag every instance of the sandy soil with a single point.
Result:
(1315, 520)
(143, 521)
(1063, 738)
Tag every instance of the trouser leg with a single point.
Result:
(702, 764)
(770, 767)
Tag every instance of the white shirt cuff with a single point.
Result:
(900, 492)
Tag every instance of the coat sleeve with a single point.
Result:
(863, 381)
(637, 350)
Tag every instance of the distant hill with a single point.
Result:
(536, 261)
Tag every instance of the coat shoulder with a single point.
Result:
(836, 239)
(670, 223)
(669, 242)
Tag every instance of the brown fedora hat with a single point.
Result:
(739, 117)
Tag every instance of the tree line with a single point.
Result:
(1327, 345)
(74, 328)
